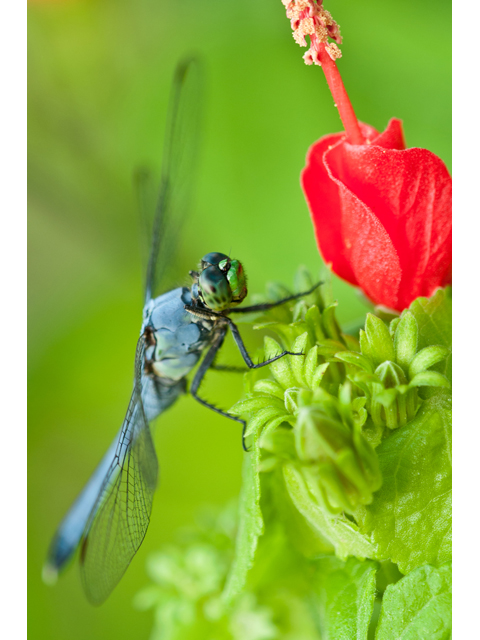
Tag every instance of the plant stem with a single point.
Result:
(340, 97)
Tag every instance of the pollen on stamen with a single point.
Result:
(309, 18)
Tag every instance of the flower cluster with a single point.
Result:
(390, 369)
(325, 412)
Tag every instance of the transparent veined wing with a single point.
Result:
(110, 517)
(121, 514)
(179, 160)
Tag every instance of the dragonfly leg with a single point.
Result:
(270, 305)
(248, 361)
(229, 368)
(202, 370)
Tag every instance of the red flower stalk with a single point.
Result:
(381, 212)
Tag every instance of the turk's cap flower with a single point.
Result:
(381, 213)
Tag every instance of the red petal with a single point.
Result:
(409, 192)
(382, 214)
(324, 203)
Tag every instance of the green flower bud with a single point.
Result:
(336, 454)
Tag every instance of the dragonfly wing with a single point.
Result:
(178, 167)
(120, 517)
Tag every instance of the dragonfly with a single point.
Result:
(182, 327)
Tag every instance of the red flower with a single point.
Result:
(382, 214)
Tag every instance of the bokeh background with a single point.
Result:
(99, 78)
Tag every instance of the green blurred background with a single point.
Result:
(99, 78)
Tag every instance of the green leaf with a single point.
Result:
(337, 530)
(343, 597)
(418, 606)
(250, 526)
(410, 517)
(434, 319)
(426, 358)
(405, 340)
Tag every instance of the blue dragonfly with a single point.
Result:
(108, 521)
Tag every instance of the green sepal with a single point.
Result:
(329, 348)
(269, 386)
(390, 374)
(329, 322)
(272, 424)
(255, 403)
(348, 464)
(310, 441)
(313, 320)
(281, 368)
(406, 339)
(311, 365)
(297, 362)
(376, 340)
(261, 417)
(351, 342)
(434, 318)
(392, 327)
(337, 499)
(429, 379)
(318, 375)
(279, 441)
(369, 458)
(426, 358)
(291, 400)
(355, 359)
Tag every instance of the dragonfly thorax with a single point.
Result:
(176, 338)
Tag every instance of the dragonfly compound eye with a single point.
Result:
(215, 288)
(212, 258)
(236, 278)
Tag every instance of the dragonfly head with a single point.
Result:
(221, 282)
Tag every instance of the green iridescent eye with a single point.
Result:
(238, 281)
(215, 289)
